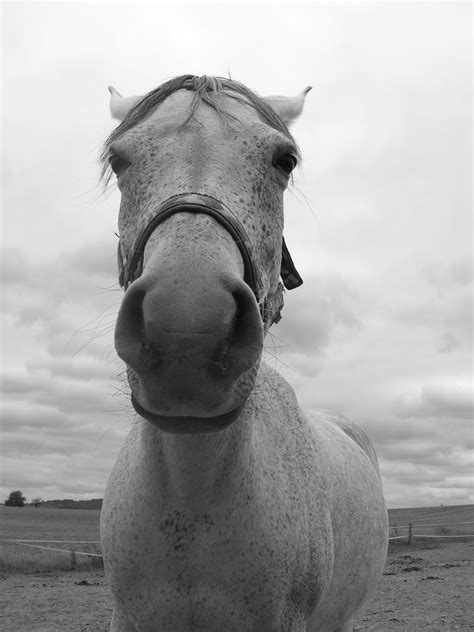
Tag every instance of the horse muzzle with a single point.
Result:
(190, 330)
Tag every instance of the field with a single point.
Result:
(427, 585)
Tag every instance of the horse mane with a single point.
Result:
(207, 90)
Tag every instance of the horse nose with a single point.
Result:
(167, 326)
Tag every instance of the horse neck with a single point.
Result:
(194, 468)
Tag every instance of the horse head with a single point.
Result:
(202, 164)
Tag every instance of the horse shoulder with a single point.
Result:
(332, 465)
(354, 432)
(320, 425)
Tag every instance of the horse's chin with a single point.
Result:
(208, 410)
(188, 424)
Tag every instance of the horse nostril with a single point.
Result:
(130, 326)
(244, 339)
(245, 331)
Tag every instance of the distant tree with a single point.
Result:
(16, 499)
(36, 501)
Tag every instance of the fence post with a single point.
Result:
(410, 527)
(73, 560)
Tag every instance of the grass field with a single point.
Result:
(444, 521)
(423, 515)
(28, 523)
(82, 525)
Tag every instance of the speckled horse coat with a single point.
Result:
(228, 509)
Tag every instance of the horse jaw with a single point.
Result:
(120, 106)
(288, 108)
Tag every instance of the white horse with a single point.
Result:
(228, 509)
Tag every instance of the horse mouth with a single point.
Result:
(188, 424)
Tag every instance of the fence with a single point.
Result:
(410, 536)
(72, 551)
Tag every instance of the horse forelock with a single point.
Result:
(209, 90)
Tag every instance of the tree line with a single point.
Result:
(16, 499)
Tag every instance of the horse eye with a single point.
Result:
(117, 163)
(286, 163)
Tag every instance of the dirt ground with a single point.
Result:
(424, 587)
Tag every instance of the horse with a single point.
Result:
(229, 508)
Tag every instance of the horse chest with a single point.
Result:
(246, 554)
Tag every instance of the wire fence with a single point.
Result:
(409, 536)
(71, 551)
(444, 531)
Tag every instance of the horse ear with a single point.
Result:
(120, 106)
(288, 108)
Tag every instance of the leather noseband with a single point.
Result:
(131, 269)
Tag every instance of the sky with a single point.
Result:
(378, 223)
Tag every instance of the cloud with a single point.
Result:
(435, 481)
(58, 296)
(63, 410)
(381, 331)
(382, 368)
(448, 276)
(425, 443)
(451, 398)
(310, 321)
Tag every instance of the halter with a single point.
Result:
(270, 307)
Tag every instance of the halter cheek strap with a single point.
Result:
(130, 269)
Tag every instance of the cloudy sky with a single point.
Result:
(378, 223)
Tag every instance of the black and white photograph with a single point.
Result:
(237, 313)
